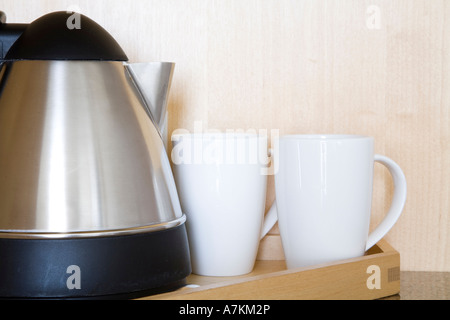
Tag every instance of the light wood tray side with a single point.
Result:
(270, 280)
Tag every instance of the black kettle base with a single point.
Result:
(121, 267)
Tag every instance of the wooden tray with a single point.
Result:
(375, 275)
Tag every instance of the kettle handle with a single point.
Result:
(9, 33)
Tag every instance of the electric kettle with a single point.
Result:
(88, 203)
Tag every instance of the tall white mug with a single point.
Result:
(324, 194)
(221, 181)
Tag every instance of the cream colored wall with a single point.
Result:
(378, 67)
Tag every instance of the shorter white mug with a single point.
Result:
(221, 181)
(324, 194)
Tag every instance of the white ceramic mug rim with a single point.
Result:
(218, 135)
(324, 137)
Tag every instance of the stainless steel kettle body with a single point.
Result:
(79, 152)
(88, 203)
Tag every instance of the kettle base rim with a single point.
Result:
(32, 234)
(120, 267)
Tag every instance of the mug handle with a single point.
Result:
(270, 219)
(398, 201)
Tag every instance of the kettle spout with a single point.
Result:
(153, 81)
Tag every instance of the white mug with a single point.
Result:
(222, 184)
(323, 197)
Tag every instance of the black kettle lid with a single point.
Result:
(65, 36)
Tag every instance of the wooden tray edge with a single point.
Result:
(372, 276)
